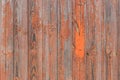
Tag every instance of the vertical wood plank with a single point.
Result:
(8, 22)
(6, 25)
(43, 43)
(62, 35)
(90, 48)
(35, 40)
(64, 40)
(68, 42)
(79, 40)
(20, 40)
(60, 67)
(118, 48)
(52, 31)
(2, 40)
(82, 40)
(0, 36)
(111, 39)
(108, 40)
(98, 30)
(75, 64)
(103, 42)
(114, 66)
(46, 47)
(39, 16)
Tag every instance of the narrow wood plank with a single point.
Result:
(90, 47)
(98, 39)
(111, 39)
(64, 40)
(103, 41)
(43, 39)
(6, 40)
(75, 64)
(35, 40)
(2, 40)
(89, 42)
(94, 29)
(52, 32)
(46, 48)
(59, 55)
(79, 40)
(0, 35)
(108, 40)
(39, 21)
(113, 22)
(82, 40)
(20, 40)
(8, 24)
(118, 47)
(62, 34)
(68, 41)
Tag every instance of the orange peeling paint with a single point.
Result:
(79, 33)
(79, 43)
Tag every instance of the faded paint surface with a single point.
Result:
(59, 39)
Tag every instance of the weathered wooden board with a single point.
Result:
(59, 39)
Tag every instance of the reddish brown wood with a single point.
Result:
(59, 39)
(6, 40)
(20, 41)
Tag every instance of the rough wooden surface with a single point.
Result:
(59, 39)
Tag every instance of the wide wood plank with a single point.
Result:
(20, 39)
(34, 40)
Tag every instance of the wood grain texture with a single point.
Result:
(6, 40)
(59, 39)
(20, 40)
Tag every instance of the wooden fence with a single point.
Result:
(59, 39)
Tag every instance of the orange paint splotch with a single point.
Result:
(80, 42)
(79, 32)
